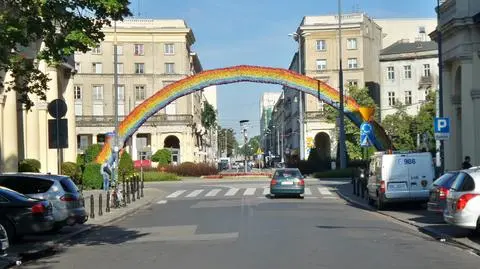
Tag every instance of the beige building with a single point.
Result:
(24, 134)
(460, 27)
(319, 58)
(151, 55)
(406, 29)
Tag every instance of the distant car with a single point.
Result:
(439, 191)
(463, 201)
(67, 201)
(21, 215)
(287, 181)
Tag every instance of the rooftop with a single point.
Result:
(402, 47)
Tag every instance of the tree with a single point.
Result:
(62, 26)
(251, 147)
(399, 126)
(162, 156)
(226, 136)
(209, 116)
(423, 122)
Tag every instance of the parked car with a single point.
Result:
(439, 191)
(4, 244)
(21, 215)
(287, 181)
(399, 177)
(67, 201)
(463, 201)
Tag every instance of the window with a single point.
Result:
(408, 97)
(139, 68)
(77, 92)
(391, 98)
(421, 30)
(321, 45)
(138, 50)
(121, 92)
(120, 68)
(140, 93)
(119, 50)
(391, 73)
(408, 71)
(352, 43)
(352, 83)
(97, 68)
(352, 63)
(97, 50)
(169, 48)
(426, 70)
(27, 185)
(169, 68)
(77, 67)
(321, 64)
(97, 92)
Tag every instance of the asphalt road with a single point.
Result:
(210, 229)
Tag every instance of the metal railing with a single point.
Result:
(315, 115)
(107, 121)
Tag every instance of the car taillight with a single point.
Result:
(68, 198)
(463, 200)
(301, 182)
(38, 209)
(382, 186)
(442, 192)
(273, 182)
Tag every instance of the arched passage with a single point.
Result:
(323, 145)
(172, 143)
(242, 73)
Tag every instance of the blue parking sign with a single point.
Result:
(442, 128)
(365, 132)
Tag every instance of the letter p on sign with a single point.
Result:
(442, 128)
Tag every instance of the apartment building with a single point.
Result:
(406, 29)
(267, 103)
(151, 55)
(409, 73)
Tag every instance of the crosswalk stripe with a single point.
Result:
(162, 202)
(231, 192)
(194, 193)
(213, 192)
(266, 190)
(249, 191)
(324, 191)
(308, 191)
(176, 194)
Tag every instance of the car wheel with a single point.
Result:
(477, 230)
(10, 229)
(56, 227)
(272, 196)
(301, 196)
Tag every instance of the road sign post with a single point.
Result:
(442, 128)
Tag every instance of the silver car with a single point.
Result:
(67, 201)
(463, 200)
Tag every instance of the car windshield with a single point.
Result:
(445, 180)
(288, 174)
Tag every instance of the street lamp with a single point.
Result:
(440, 86)
(341, 139)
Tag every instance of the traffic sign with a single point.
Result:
(365, 132)
(442, 128)
(364, 141)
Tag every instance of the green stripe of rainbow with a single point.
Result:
(235, 74)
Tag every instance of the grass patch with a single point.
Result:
(151, 176)
(339, 173)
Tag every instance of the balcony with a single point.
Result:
(315, 115)
(109, 121)
(425, 82)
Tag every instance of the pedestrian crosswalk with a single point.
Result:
(310, 192)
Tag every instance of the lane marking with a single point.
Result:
(249, 191)
(176, 194)
(194, 193)
(162, 202)
(231, 192)
(324, 191)
(308, 191)
(266, 190)
(213, 192)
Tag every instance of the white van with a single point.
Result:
(399, 177)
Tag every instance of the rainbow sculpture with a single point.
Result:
(242, 73)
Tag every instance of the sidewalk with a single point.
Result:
(33, 246)
(425, 221)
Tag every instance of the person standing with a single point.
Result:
(466, 164)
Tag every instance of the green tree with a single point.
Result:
(209, 116)
(251, 147)
(63, 26)
(92, 152)
(226, 139)
(399, 126)
(423, 122)
(162, 156)
(125, 166)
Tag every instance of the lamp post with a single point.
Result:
(341, 122)
(440, 88)
(243, 125)
(115, 86)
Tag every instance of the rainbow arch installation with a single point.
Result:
(234, 74)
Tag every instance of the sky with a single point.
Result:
(255, 32)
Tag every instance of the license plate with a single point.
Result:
(287, 183)
(397, 186)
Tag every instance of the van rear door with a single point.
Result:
(396, 177)
(421, 171)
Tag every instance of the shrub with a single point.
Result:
(159, 176)
(29, 165)
(92, 152)
(72, 170)
(92, 178)
(125, 166)
(189, 169)
(162, 156)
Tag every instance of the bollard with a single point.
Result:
(92, 207)
(358, 187)
(100, 205)
(354, 186)
(138, 187)
(128, 192)
(132, 184)
(107, 209)
(141, 188)
(123, 191)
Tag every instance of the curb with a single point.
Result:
(425, 230)
(51, 246)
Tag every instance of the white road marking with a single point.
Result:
(249, 191)
(162, 202)
(308, 191)
(231, 192)
(324, 191)
(266, 190)
(194, 193)
(213, 192)
(176, 194)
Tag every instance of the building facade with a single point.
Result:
(267, 103)
(407, 29)
(151, 55)
(460, 28)
(24, 134)
(409, 72)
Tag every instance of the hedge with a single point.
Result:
(159, 176)
(162, 156)
(29, 165)
(92, 179)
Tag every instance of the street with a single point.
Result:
(234, 225)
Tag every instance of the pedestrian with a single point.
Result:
(466, 164)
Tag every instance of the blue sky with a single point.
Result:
(255, 32)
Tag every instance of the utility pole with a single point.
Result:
(116, 146)
(441, 145)
(243, 125)
(341, 140)
(300, 102)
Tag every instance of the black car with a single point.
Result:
(439, 191)
(21, 215)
